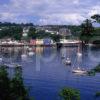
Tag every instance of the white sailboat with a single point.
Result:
(79, 70)
(24, 55)
(30, 53)
(79, 54)
(68, 60)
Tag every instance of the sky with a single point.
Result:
(45, 12)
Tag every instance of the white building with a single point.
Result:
(65, 32)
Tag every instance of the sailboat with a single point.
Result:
(30, 53)
(79, 54)
(78, 70)
(24, 55)
(68, 60)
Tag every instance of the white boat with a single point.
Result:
(79, 54)
(90, 44)
(79, 71)
(12, 65)
(30, 49)
(24, 56)
(31, 53)
(68, 61)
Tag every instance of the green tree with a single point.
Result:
(17, 86)
(32, 33)
(12, 89)
(87, 30)
(69, 94)
(96, 17)
(4, 84)
(87, 27)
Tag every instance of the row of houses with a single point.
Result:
(46, 41)
(62, 31)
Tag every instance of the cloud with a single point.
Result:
(76, 1)
(48, 11)
(94, 10)
(71, 18)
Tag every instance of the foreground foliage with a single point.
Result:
(97, 94)
(70, 94)
(92, 72)
(12, 89)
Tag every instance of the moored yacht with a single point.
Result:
(79, 71)
(68, 61)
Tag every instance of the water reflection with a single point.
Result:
(46, 71)
(48, 54)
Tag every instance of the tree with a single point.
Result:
(96, 17)
(4, 84)
(17, 86)
(32, 32)
(69, 94)
(87, 27)
(12, 89)
(87, 30)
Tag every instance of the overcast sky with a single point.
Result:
(48, 11)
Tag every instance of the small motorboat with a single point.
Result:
(79, 54)
(30, 49)
(68, 61)
(79, 71)
(23, 56)
(31, 53)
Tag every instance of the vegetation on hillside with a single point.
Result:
(85, 31)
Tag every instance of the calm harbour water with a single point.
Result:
(45, 73)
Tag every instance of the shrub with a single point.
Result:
(69, 94)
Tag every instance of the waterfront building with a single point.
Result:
(65, 32)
